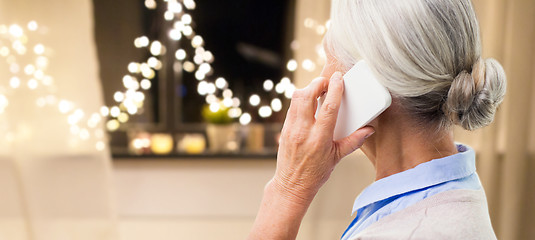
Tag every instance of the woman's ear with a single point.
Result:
(330, 67)
(331, 64)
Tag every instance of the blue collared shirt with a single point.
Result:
(398, 191)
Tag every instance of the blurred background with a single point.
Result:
(155, 119)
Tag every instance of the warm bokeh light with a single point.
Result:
(264, 111)
(268, 85)
(254, 100)
(291, 65)
(245, 119)
(276, 105)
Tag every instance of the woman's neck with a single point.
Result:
(398, 144)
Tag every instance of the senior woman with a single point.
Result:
(427, 53)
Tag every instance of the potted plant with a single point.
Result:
(222, 133)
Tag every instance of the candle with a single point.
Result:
(192, 144)
(139, 143)
(161, 143)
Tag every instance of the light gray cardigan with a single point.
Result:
(454, 214)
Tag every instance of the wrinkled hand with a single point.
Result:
(307, 152)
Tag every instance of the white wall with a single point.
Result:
(219, 198)
(54, 185)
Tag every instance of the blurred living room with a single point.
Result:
(161, 119)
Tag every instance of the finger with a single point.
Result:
(328, 113)
(290, 119)
(291, 114)
(300, 105)
(306, 99)
(317, 87)
(354, 141)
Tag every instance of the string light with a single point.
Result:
(205, 68)
(227, 102)
(279, 88)
(175, 34)
(150, 4)
(32, 84)
(245, 119)
(42, 84)
(236, 102)
(186, 19)
(227, 93)
(153, 62)
(264, 111)
(174, 6)
(289, 91)
(200, 75)
(309, 65)
(100, 146)
(142, 41)
(210, 88)
(254, 100)
(220, 83)
(309, 22)
(215, 106)
(211, 98)
(16, 31)
(202, 88)
(32, 26)
(112, 125)
(104, 111)
(156, 48)
(14, 82)
(188, 66)
(4, 51)
(276, 105)
(190, 4)
(123, 117)
(39, 49)
(180, 54)
(29, 69)
(199, 64)
(208, 56)
(320, 30)
(291, 65)
(118, 96)
(197, 41)
(187, 30)
(234, 112)
(168, 15)
(268, 85)
(115, 111)
(145, 84)
(133, 67)
(65, 106)
(3, 103)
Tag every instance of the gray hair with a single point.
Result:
(427, 53)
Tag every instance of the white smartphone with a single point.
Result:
(363, 100)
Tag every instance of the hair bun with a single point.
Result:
(473, 97)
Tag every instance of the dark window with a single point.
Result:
(248, 39)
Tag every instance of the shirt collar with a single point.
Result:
(459, 165)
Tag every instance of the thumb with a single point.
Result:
(354, 141)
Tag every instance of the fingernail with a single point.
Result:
(337, 76)
(369, 134)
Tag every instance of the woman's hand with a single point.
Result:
(307, 155)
